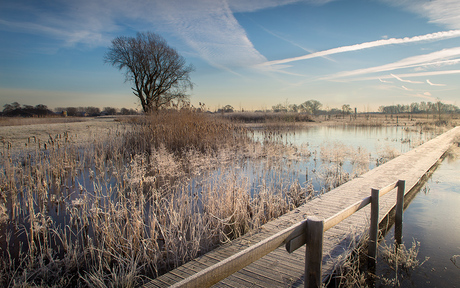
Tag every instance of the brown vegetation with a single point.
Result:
(115, 212)
(396, 262)
(19, 121)
(145, 196)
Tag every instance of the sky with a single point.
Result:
(248, 54)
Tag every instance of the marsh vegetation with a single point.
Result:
(120, 204)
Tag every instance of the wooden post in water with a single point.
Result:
(373, 229)
(399, 211)
(314, 252)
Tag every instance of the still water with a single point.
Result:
(401, 138)
(339, 153)
(433, 219)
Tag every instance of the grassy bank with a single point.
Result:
(19, 121)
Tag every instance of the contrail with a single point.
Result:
(432, 84)
(384, 81)
(365, 45)
(407, 81)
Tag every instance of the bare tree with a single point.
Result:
(346, 109)
(159, 74)
(110, 110)
(312, 106)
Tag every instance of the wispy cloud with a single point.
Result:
(254, 5)
(372, 44)
(207, 27)
(384, 81)
(408, 75)
(211, 30)
(428, 96)
(215, 35)
(407, 89)
(445, 12)
(69, 36)
(403, 80)
(432, 84)
(414, 61)
(425, 95)
(441, 12)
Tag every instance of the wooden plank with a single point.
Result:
(238, 280)
(345, 213)
(288, 268)
(261, 278)
(230, 265)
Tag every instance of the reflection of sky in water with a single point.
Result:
(371, 138)
(433, 219)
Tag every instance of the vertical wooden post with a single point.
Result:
(399, 211)
(314, 252)
(374, 228)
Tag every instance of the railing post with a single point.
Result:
(374, 228)
(314, 252)
(399, 211)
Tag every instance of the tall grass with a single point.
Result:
(134, 203)
(146, 196)
(17, 121)
(179, 131)
(394, 266)
(267, 117)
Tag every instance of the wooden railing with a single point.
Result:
(310, 232)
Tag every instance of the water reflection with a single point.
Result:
(103, 194)
(370, 138)
(340, 153)
(433, 219)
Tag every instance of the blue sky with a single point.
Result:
(249, 54)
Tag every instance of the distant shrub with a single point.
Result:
(265, 117)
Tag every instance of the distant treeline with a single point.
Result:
(16, 109)
(422, 107)
(313, 107)
(94, 111)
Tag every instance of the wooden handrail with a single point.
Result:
(295, 236)
(389, 187)
(345, 213)
(236, 262)
(298, 237)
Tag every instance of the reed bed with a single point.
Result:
(19, 121)
(267, 117)
(147, 195)
(133, 203)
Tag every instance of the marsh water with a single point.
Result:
(340, 153)
(322, 158)
(433, 220)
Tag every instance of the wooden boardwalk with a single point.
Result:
(281, 269)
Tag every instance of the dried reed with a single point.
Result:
(146, 196)
(135, 202)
